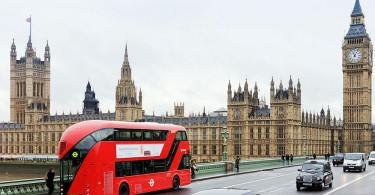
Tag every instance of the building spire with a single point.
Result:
(126, 54)
(357, 10)
(357, 26)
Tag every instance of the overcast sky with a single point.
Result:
(183, 50)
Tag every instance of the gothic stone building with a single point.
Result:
(251, 127)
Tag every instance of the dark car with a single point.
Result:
(338, 159)
(315, 174)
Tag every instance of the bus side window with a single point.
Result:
(148, 135)
(136, 135)
(163, 135)
(123, 169)
(184, 136)
(137, 167)
(122, 135)
(148, 166)
(157, 135)
(178, 136)
(159, 166)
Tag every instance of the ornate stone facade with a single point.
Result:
(128, 108)
(357, 76)
(251, 127)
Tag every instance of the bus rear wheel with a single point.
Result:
(176, 183)
(124, 189)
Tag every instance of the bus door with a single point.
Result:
(107, 182)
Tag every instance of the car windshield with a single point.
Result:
(372, 155)
(339, 155)
(312, 167)
(353, 156)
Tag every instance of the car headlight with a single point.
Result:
(318, 178)
(298, 177)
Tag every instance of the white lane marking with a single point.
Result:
(334, 190)
(267, 189)
(276, 190)
(259, 180)
(293, 182)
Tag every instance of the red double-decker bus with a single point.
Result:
(109, 157)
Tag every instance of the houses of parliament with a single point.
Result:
(250, 127)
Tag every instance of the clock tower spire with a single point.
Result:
(357, 78)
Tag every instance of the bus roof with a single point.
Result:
(78, 131)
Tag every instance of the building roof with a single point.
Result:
(4, 126)
(357, 30)
(185, 120)
(357, 10)
(112, 116)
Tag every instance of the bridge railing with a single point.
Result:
(222, 167)
(26, 186)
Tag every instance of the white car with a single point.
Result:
(371, 158)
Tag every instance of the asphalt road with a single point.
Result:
(282, 181)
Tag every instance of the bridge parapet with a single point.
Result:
(26, 186)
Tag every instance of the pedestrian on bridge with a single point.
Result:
(50, 175)
(291, 158)
(283, 158)
(287, 159)
(237, 163)
(193, 167)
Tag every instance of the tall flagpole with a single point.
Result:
(29, 20)
(30, 27)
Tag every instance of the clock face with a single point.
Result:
(355, 55)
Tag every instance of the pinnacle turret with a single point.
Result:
(13, 47)
(126, 58)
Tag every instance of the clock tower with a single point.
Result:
(357, 78)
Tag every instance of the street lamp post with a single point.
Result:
(304, 146)
(338, 146)
(225, 136)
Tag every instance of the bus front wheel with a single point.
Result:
(176, 183)
(124, 189)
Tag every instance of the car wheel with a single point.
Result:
(330, 185)
(343, 169)
(334, 164)
(364, 169)
(298, 187)
(322, 187)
